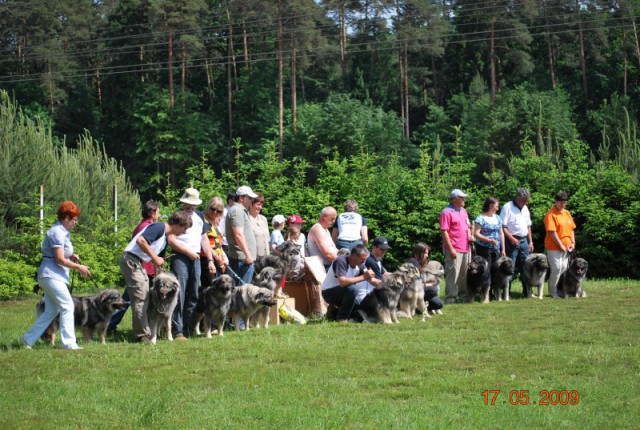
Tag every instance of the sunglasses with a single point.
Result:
(212, 209)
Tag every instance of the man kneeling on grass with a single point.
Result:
(340, 288)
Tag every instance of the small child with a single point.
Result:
(277, 239)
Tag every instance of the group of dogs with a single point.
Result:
(485, 281)
(401, 294)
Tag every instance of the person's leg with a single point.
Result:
(450, 276)
(555, 259)
(191, 297)
(179, 266)
(57, 300)
(342, 298)
(462, 262)
(138, 290)
(523, 253)
(512, 252)
(116, 318)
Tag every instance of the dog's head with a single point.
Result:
(539, 261)
(166, 285)
(111, 299)
(394, 282)
(478, 265)
(289, 250)
(579, 267)
(343, 251)
(412, 277)
(268, 277)
(504, 265)
(264, 296)
(223, 286)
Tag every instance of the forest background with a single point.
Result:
(393, 103)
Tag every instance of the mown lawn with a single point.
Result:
(411, 375)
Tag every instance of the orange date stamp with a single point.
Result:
(522, 397)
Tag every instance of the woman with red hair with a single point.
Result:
(53, 278)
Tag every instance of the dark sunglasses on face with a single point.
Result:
(212, 209)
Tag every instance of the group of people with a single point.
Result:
(507, 234)
(229, 238)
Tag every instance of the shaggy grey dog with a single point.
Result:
(533, 274)
(570, 282)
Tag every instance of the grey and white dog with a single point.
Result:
(249, 301)
(163, 298)
(534, 273)
(501, 272)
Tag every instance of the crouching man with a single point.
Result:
(340, 287)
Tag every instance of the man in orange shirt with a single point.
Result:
(560, 240)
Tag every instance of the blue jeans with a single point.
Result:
(242, 269)
(349, 244)
(188, 274)
(119, 314)
(517, 253)
(344, 298)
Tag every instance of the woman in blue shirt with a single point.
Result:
(53, 278)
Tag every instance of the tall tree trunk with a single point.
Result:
(230, 90)
(492, 60)
(50, 87)
(210, 78)
(141, 56)
(280, 84)
(183, 65)
(624, 76)
(232, 52)
(245, 43)
(171, 95)
(635, 38)
(294, 96)
(552, 61)
(99, 85)
(343, 40)
(583, 62)
(406, 89)
(401, 82)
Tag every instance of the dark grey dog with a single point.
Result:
(501, 272)
(533, 274)
(91, 314)
(381, 304)
(479, 279)
(570, 281)
(163, 298)
(289, 263)
(213, 305)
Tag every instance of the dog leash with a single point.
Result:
(234, 275)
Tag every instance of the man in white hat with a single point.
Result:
(456, 240)
(185, 263)
(242, 241)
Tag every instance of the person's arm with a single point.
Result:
(178, 246)
(573, 242)
(208, 252)
(334, 235)
(556, 239)
(238, 233)
(327, 249)
(446, 240)
(364, 233)
(509, 236)
(58, 255)
(345, 281)
(503, 252)
(146, 248)
(481, 237)
(530, 238)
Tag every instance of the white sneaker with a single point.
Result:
(24, 344)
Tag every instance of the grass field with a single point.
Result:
(410, 375)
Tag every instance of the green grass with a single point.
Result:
(410, 375)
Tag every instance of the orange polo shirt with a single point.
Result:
(562, 223)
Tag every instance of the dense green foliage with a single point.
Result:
(411, 375)
(30, 157)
